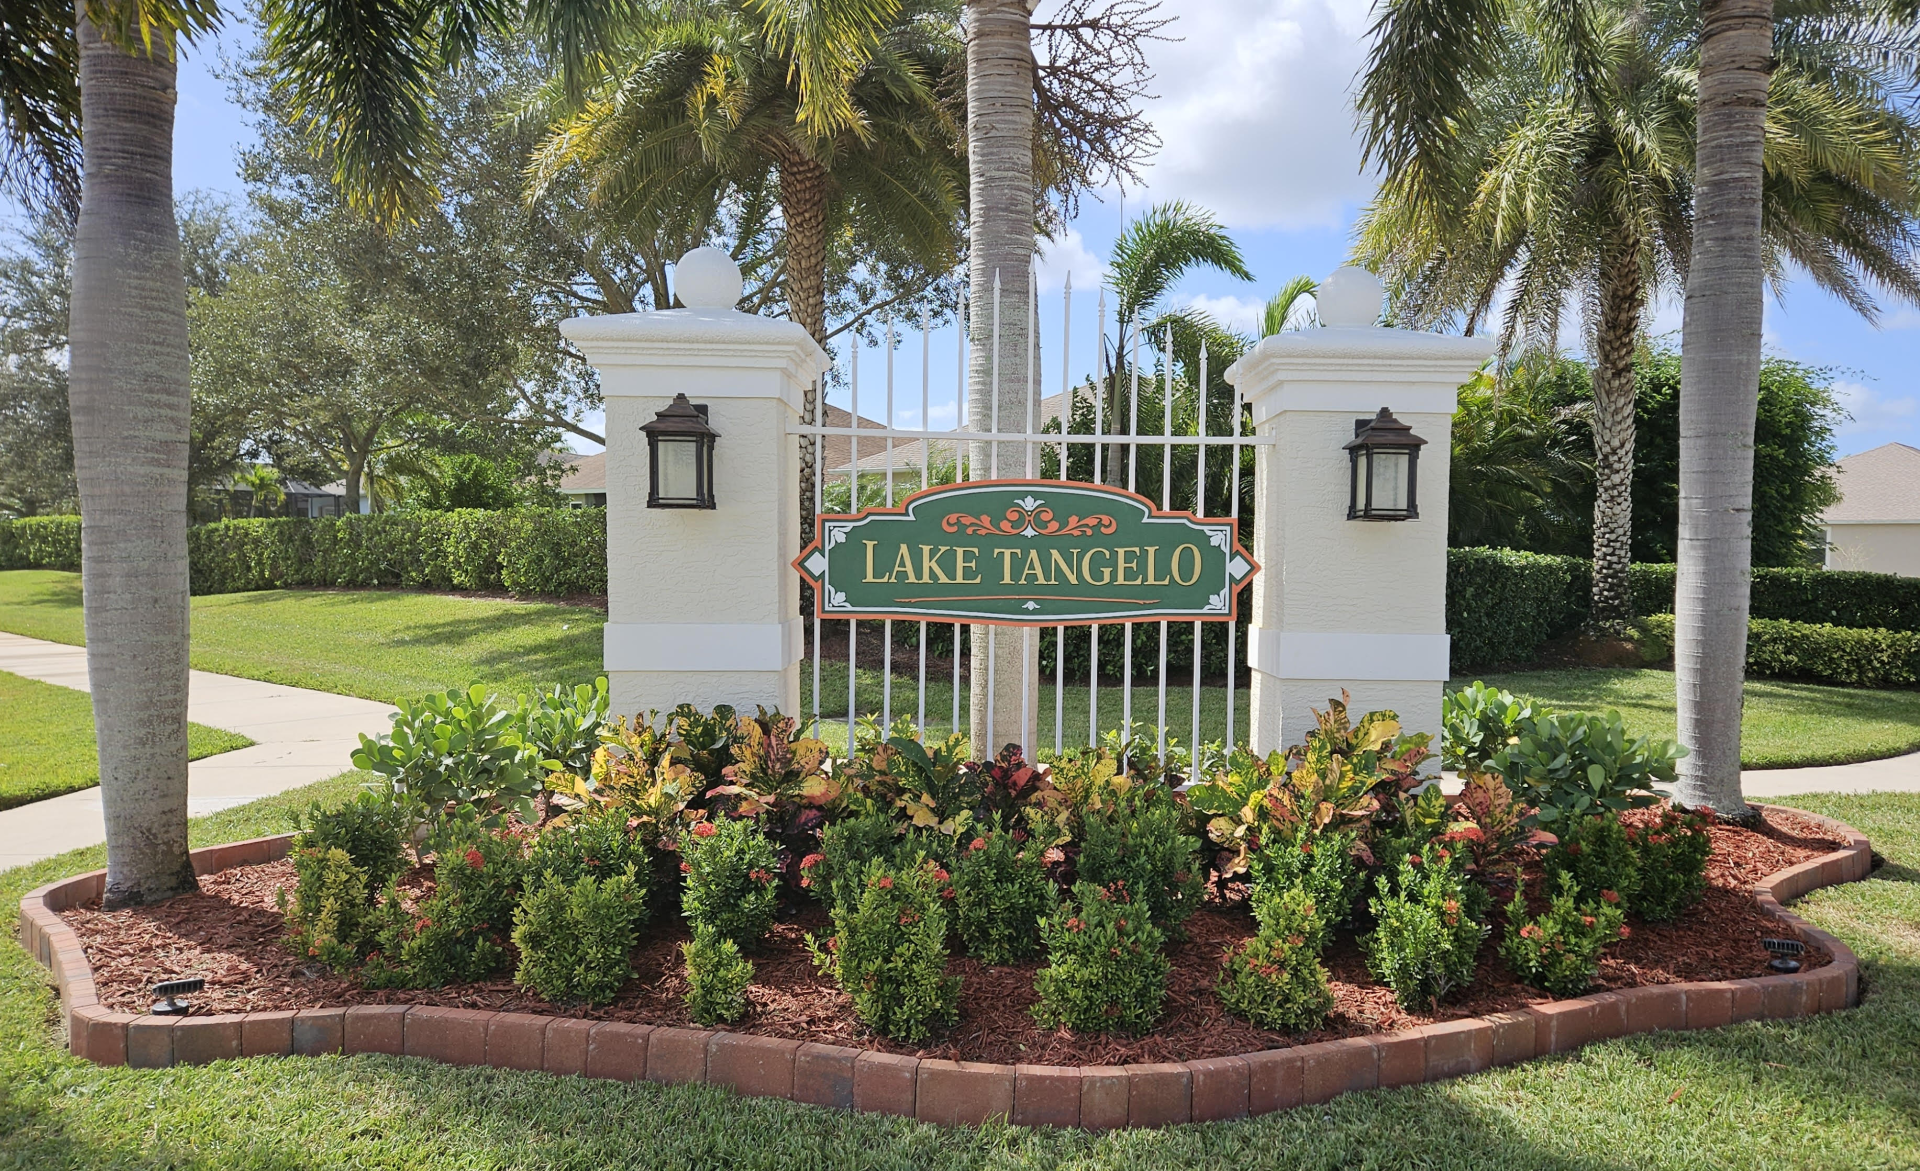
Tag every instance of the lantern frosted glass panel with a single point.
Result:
(1389, 481)
(679, 469)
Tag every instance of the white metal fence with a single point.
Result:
(1095, 430)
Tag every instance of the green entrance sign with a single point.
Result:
(1026, 553)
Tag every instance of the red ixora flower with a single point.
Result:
(759, 875)
(1530, 931)
(1626, 932)
(886, 882)
(1413, 859)
(476, 859)
(812, 860)
(977, 844)
(1586, 920)
(1074, 924)
(686, 868)
(1610, 896)
(940, 875)
(705, 829)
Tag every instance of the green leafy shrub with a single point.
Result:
(1104, 969)
(1478, 723)
(732, 879)
(1598, 855)
(1864, 601)
(1275, 979)
(371, 829)
(1001, 890)
(40, 542)
(1502, 605)
(1322, 867)
(1139, 842)
(553, 552)
(596, 843)
(717, 978)
(456, 755)
(460, 931)
(562, 727)
(1426, 938)
(1560, 950)
(888, 951)
(1577, 764)
(1672, 858)
(328, 914)
(838, 873)
(575, 937)
(1824, 653)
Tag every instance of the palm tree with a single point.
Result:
(261, 483)
(1803, 152)
(1512, 474)
(1151, 255)
(1283, 310)
(712, 94)
(1571, 173)
(108, 66)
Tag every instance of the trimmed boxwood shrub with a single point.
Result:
(40, 542)
(1502, 604)
(554, 552)
(1822, 653)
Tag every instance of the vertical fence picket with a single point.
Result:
(1103, 369)
(1066, 425)
(1199, 509)
(1233, 628)
(926, 469)
(1166, 501)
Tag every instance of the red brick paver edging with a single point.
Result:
(963, 1092)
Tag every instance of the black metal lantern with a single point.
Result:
(1384, 461)
(680, 456)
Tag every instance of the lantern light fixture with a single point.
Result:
(680, 456)
(1383, 464)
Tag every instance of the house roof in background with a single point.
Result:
(906, 452)
(1878, 486)
(585, 473)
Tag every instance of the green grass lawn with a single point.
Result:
(1783, 724)
(1840, 1091)
(376, 644)
(382, 644)
(47, 748)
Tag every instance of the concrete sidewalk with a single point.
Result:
(1894, 774)
(300, 736)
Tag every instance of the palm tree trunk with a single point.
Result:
(803, 205)
(1719, 397)
(1000, 248)
(130, 406)
(1622, 297)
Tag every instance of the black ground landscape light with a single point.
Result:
(1783, 951)
(170, 992)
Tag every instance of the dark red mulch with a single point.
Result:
(232, 934)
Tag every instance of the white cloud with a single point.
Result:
(1068, 255)
(1240, 313)
(1877, 417)
(1904, 318)
(1254, 113)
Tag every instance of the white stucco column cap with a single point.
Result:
(708, 338)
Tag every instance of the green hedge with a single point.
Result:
(40, 542)
(555, 552)
(1502, 604)
(1822, 652)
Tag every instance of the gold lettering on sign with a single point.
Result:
(964, 557)
(1126, 559)
(1034, 571)
(1195, 575)
(1064, 567)
(903, 567)
(1106, 571)
(1153, 555)
(1006, 564)
(930, 571)
(870, 577)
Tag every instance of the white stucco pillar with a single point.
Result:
(703, 606)
(1339, 603)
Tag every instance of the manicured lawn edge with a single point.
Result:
(946, 1092)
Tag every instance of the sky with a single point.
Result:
(1254, 114)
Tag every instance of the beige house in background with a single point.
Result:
(1876, 523)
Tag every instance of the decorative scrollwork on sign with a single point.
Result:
(1029, 518)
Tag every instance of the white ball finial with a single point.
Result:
(1350, 297)
(707, 278)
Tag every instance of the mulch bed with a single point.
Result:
(232, 935)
